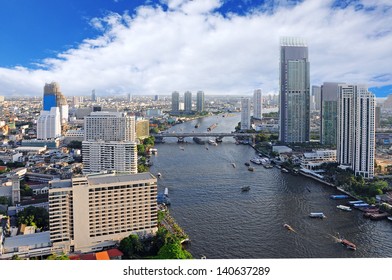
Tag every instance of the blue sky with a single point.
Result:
(156, 47)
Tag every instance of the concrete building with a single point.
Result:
(100, 156)
(356, 129)
(377, 116)
(54, 98)
(329, 113)
(200, 101)
(49, 124)
(317, 158)
(91, 213)
(294, 106)
(316, 98)
(188, 102)
(175, 102)
(257, 105)
(93, 96)
(245, 113)
(109, 126)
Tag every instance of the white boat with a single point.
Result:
(317, 215)
(212, 142)
(159, 175)
(389, 218)
(166, 192)
(233, 164)
(345, 208)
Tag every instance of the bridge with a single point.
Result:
(217, 135)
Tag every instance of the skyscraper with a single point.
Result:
(294, 91)
(54, 98)
(48, 124)
(257, 105)
(93, 96)
(200, 101)
(356, 133)
(188, 101)
(316, 94)
(245, 113)
(175, 102)
(329, 113)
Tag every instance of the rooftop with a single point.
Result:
(118, 178)
(27, 240)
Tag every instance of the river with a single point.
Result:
(225, 223)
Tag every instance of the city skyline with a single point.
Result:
(113, 46)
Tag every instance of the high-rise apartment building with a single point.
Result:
(294, 115)
(377, 120)
(188, 102)
(54, 98)
(356, 133)
(245, 113)
(94, 212)
(200, 101)
(93, 96)
(48, 124)
(316, 98)
(329, 113)
(109, 126)
(257, 104)
(99, 156)
(175, 102)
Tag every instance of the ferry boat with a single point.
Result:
(317, 215)
(250, 168)
(348, 244)
(212, 142)
(345, 208)
(339, 196)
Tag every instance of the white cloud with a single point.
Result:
(192, 47)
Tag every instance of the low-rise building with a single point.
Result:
(314, 159)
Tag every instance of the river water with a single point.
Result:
(225, 223)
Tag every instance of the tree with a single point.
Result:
(75, 144)
(173, 251)
(57, 257)
(25, 189)
(131, 246)
(142, 168)
(5, 200)
(34, 216)
(149, 141)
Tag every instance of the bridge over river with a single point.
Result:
(217, 135)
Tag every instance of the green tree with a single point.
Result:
(58, 257)
(75, 144)
(173, 251)
(5, 200)
(34, 216)
(25, 189)
(131, 246)
(142, 168)
(149, 141)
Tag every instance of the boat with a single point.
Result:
(284, 170)
(361, 205)
(317, 215)
(345, 208)
(339, 196)
(247, 163)
(199, 140)
(159, 175)
(250, 168)
(389, 218)
(348, 244)
(245, 189)
(288, 227)
(255, 160)
(197, 125)
(378, 216)
(211, 127)
(355, 202)
(233, 164)
(212, 142)
(268, 166)
(182, 148)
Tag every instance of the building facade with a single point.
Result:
(175, 102)
(92, 213)
(329, 113)
(200, 101)
(316, 98)
(49, 124)
(245, 113)
(54, 98)
(188, 102)
(294, 106)
(257, 104)
(100, 156)
(109, 126)
(356, 129)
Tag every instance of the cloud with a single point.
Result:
(188, 45)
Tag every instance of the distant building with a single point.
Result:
(316, 100)
(175, 102)
(54, 98)
(129, 97)
(356, 132)
(109, 126)
(329, 113)
(93, 96)
(245, 113)
(257, 105)
(49, 124)
(100, 156)
(200, 101)
(188, 102)
(88, 214)
(294, 110)
(378, 116)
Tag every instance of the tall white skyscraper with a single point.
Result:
(188, 102)
(257, 104)
(245, 113)
(356, 129)
(49, 124)
(116, 156)
(109, 126)
(294, 106)
(200, 101)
